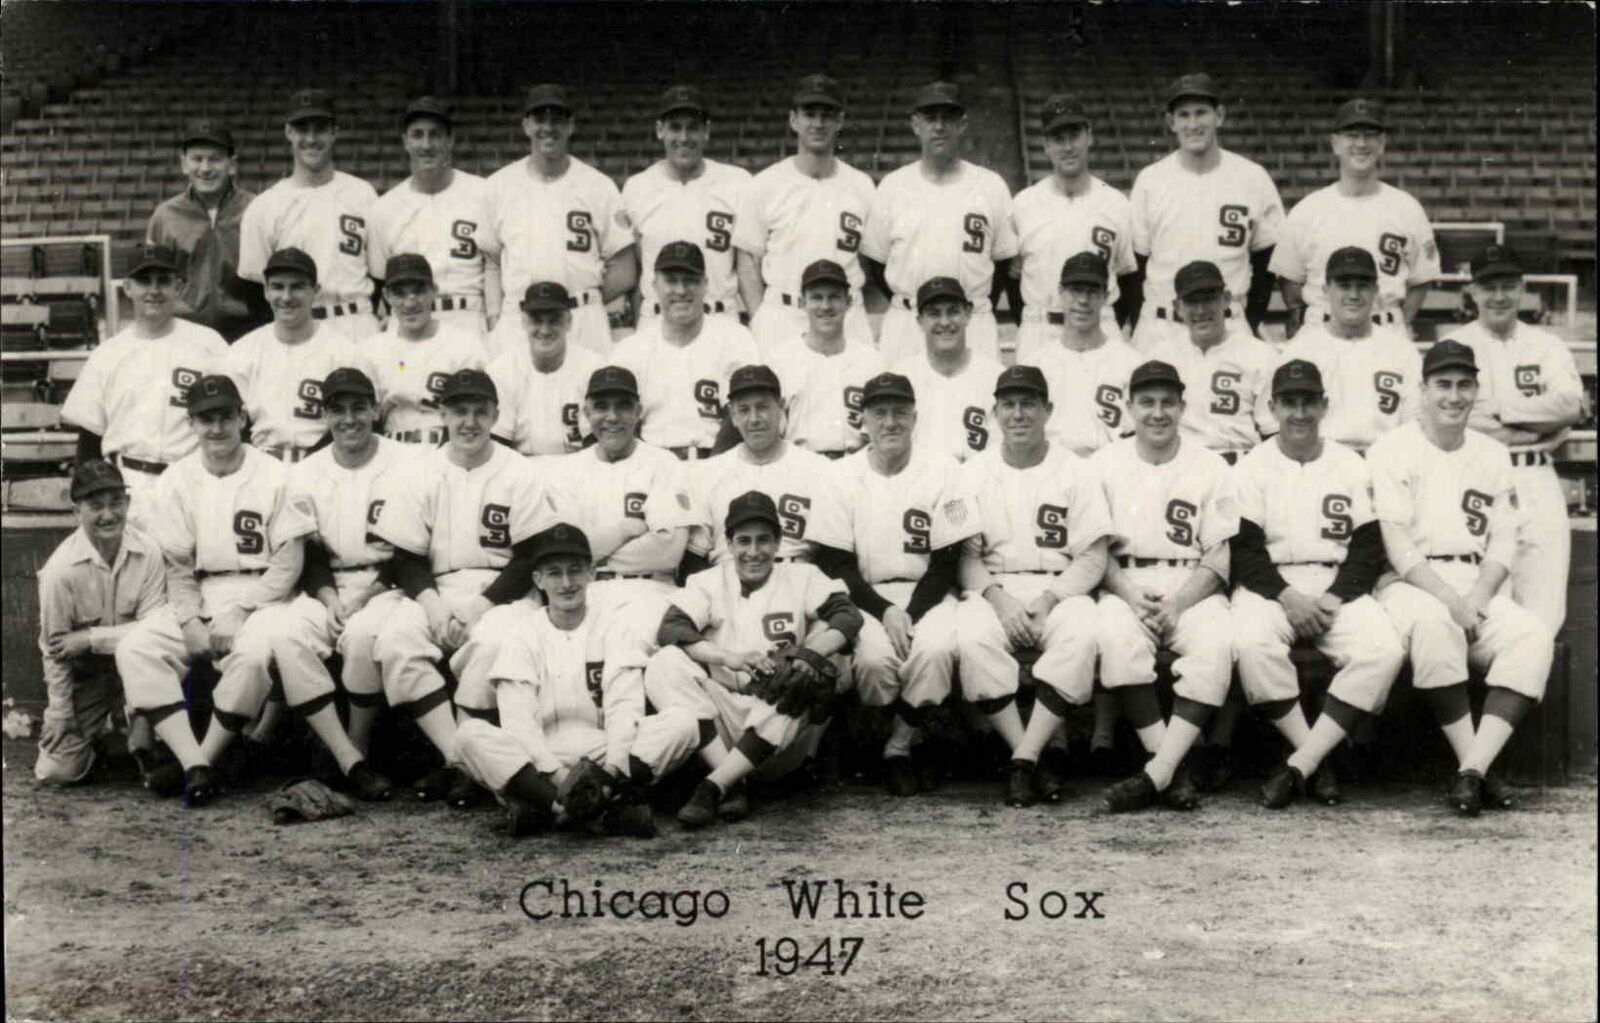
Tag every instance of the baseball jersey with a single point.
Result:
(467, 518)
(1389, 224)
(346, 502)
(1052, 227)
(562, 230)
(952, 411)
(1226, 390)
(790, 219)
(659, 208)
(955, 227)
(681, 387)
(650, 486)
(822, 393)
(281, 382)
(1178, 510)
(409, 375)
(1450, 502)
(228, 524)
(896, 522)
(542, 413)
(1039, 518)
(567, 668)
(1089, 391)
(779, 612)
(1221, 216)
(1528, 377)
(328, 222)
(134, 391)
(1308, 510)
(799, 482)
(1373, 384)
(443, 227)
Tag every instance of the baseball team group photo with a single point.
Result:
(799, 511)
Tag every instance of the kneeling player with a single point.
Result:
(570, 687)
(723, 627)
(1304, 562)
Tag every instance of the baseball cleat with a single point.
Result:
(1047, 785)
(1497, 795)
(701, 809)
(165, 779)
(1181, 793)
(1466, 794)
(632, 819)
(462, 792)
(526, 818)
(434, 784)
(198, 786)
(900, 776)
(1282, 787)
(1323, 786)
(368, 785)
(1135, 793)
(735, 805)
(1019, 783)
(1213, 768)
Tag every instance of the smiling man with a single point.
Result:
(954, 381)
(542, 378)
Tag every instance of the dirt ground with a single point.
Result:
(120, 906)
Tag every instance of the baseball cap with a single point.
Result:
(939, 287)
(290, 259)
(823, 270)
(429, 106)
(1022, 378)
(212, 392)
(93, 476)
(1085, 268)
(1448, 354)
(547, 95)
(468, 383)
(154, 257)
(1063, 109)
(1297, 375)
(542, 296)
(1351, 261)
(1359, 113)
(887, 385)
(1155, 372)
(681, 256)
(820, 90)
(1496, 261)
(681, 97)
(938, 94)
(1192, 86)
(407, 266)
(753, 378)
(348, 380)
(1196, 277)
(309, 103)
(208, 132)
(750, 506)
(561, 538)
(612, 380)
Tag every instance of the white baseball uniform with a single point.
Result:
(542, 413)
(1525, 378)
(1088, 390)
(1221, 216)
(1051, 227)
(1373, 383)
(1227, 390)
(952, 411)
(822, 393)
(329, 223)
(444, 228)
(281, 384)
(789, 220)
(1309, 511)
(1168, 520)
(800, 482)
(682, 387)
(956, 227)
(1460, 509)
(409, 376)
(704, 210)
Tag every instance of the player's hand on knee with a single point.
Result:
(1331, 604)
(1013, 617)
(438, 622)
(196, 638)
(469, 613)
(336, 618)
(69, 645)
(1305, 617)
(1464, 614)
(898, 625)
(223, 628)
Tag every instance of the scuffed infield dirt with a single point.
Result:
(120, 906)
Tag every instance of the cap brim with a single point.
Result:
(733, 524)
(896, 395)
(358, 392)
(309, 113)
(99, 487)
(1157, 382)
(207, 405)
(144, 268)
(1497, 270)
(1064, 121)
(403, 278)
(458, 395)
(843, 282)
(1361, 122)
(805, 99)
(681, 267)
(206, 140)
(959, 108)
(1084, 278)
(546, 105)
(1202, 290)
(1209, 97)
(544, 307)
(1299, 388)
(1360, 275)
(1440, 367)
(595, 392)
(688, 108)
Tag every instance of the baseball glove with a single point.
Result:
(587, 789)
(307, 800)
(804, 680)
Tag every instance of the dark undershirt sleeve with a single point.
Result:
(1130, 303)
(317, 571)
(89, 446)
(1261, 284)
(841, 565)
(412, 572)
(1252, 566)
(840, 614)
(1363, 563)
(938, 580)
(677, 629)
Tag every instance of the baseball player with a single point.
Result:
(1373, 373)
(941, 216)
(807, 207)
(1202, 202)
(320, 211)
(100, 580)
(1359, 211)
(686, 197)
(1529, 398)
(555, 218)
(438, 213)
(1446, 501)
(279, 368)
(1069, 212)
(570, 686)
(1173, 513)
(1304, 563)
(1086, 365)
(952, 378)
(128, 400)
(822, 374)
(907, 516)
(683, 359)
(543, 377)
(1027, 579)
(726, 623)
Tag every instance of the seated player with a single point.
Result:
(1173, 513)
(1444, 496)
(1027, 578)
(907, 516)
(726, 623)
(542, 379)
(953, 380)
(570, 685)
(99, 581)
(1304, 562)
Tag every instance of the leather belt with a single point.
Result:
(432, 435)
(1324, 564)
(711, 307)
(139, 465)
(834, 455)
(290, 453)
(587, 297)
(606, 573)
(798, 559)
(1163, 313)
(691, 452)
(358, 568)
(201, 573)
(1127, 561)
(453, 303)
(1531, 458)
(1378, 319)
(1470, 559)
(322, 312)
